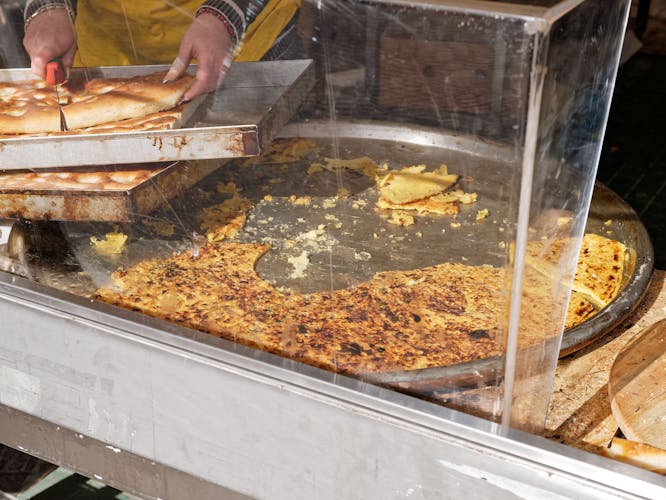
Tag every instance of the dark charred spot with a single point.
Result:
(302, 328)
(353, 348)
(479, 334)
(451, 303)
(416, 317)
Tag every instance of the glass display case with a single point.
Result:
(386, 222)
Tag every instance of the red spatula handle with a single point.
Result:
(55, 74)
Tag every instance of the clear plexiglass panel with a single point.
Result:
(416, 223)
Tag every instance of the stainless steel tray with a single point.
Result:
(94, 202)
(237, 120)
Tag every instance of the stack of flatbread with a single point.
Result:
(30, 107)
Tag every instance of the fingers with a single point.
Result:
(207, 41)
(176, 70)
(68, 59)
(224, 70)
(38, 65)
(210, 75)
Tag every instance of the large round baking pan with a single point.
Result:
(609, 216)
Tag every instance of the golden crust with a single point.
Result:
(578, 310)
(638, 454)
(30, 107)
(398, 320)
(599, 269)
(128, 98)
(87, 179)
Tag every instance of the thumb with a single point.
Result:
(38, 65)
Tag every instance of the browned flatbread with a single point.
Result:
(86, 179)
(398, 320)
(110, 100)
(638, 454)
(599, 269)
(444, 203)
(162, 120)
(214, 289)
(30, 107)
(412, 188)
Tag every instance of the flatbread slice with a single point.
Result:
(638, 454)
(447, 203)
(414, 189)
(413, 183)
(599, 269)
(117, 99)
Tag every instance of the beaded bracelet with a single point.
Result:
(44, 8)
(230, 28)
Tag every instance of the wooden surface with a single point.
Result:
(637, 387)
(580, 412)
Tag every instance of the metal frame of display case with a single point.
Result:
(166, 412)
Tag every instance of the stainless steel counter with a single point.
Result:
(165, 412)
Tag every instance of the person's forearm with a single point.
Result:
(35, 7)
(235, 14)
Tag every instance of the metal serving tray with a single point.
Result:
(237, 120)
(90, 202)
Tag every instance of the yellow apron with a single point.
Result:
(128, 32)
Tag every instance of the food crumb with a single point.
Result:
(481, 214)
(302, 201)
(608, 222)
(456, 225)
(111, 244)
(501, 244)
(363, 256)
(401, 219)
(314, 168)
(328, 203)
(300, 263)
(343, 193)
(229, 187)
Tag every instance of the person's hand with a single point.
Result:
(207, 41)
(50, 35)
